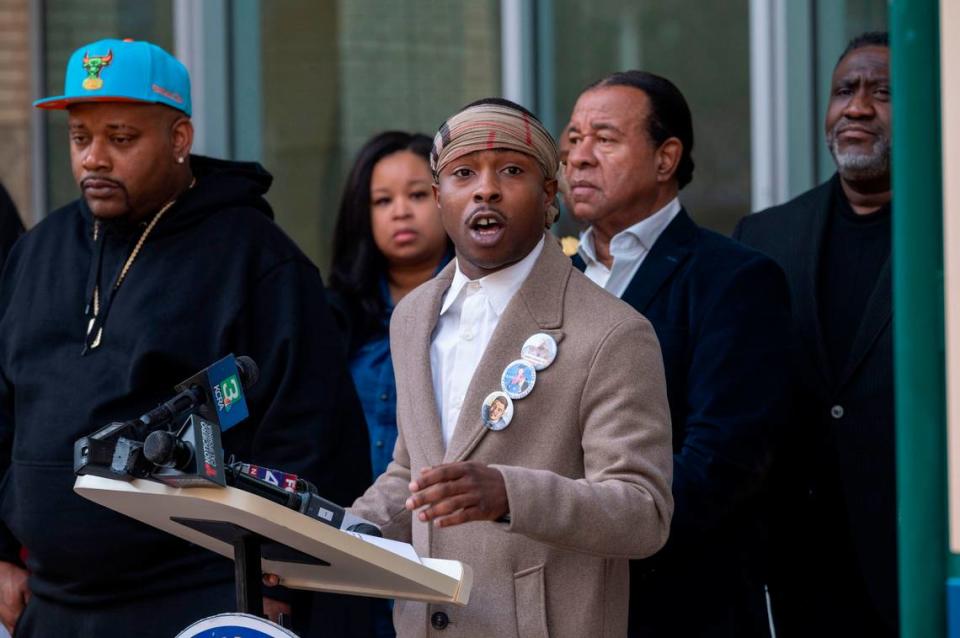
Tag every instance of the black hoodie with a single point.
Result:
(10, 225)
(215, 276)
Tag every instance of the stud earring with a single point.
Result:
(180, 160)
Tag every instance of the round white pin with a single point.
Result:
(540, 350)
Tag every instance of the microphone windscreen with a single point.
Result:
(158, 448)
(249, 372)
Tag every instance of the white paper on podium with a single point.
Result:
(400, 549)
(355, 563)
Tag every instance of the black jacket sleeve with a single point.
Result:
(9, 546)
(738, 398)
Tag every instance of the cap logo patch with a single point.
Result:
(93, 66)
(170, 95)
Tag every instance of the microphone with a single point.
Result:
(216, 394)
(315, 506)
(178, 465)
(301, 495)
(191, 457)
(164, 449)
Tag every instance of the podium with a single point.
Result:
(265, 537)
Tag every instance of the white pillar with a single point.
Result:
(201, 43)
(517, 35)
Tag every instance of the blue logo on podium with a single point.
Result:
(235, 626)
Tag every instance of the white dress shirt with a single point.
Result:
(628, 248)
(470, 312)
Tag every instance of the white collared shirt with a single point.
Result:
(628, 248)
(470, 312)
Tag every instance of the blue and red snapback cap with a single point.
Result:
(123, 71)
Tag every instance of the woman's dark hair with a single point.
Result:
(358, 265)
(669, 114)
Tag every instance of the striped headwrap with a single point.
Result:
(486, 126)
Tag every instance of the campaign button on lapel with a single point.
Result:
(497, 411)
(540, 350)
(518, 379)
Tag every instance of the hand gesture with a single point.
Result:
(14, 594)
(456, 493)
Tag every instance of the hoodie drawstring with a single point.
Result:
(98, 318)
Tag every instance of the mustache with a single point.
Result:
(846, 125)
(486, 208)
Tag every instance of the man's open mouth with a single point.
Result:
(486, 226)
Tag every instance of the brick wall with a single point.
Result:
(15, 106)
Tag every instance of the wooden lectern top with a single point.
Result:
(305, 553)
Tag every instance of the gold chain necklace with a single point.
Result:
(126, 265)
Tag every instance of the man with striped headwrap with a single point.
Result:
(574, 478)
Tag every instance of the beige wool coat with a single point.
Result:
(586, 460)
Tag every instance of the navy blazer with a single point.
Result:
(721, 312)
(835, 547)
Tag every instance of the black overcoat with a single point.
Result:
(834, 543)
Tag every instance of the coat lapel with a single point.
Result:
(876, 316)
(669, 251)
(537, 307)
(420, 331)
(809, 245)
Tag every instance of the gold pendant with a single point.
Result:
(96, 341)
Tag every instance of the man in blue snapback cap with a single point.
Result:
(123, 71)
(168, 262)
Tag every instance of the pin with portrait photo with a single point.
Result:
(497, 411)
(518, 379)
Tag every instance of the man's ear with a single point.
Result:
(181, 133)
(668, 159)
(436, 193)
(550, 187)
